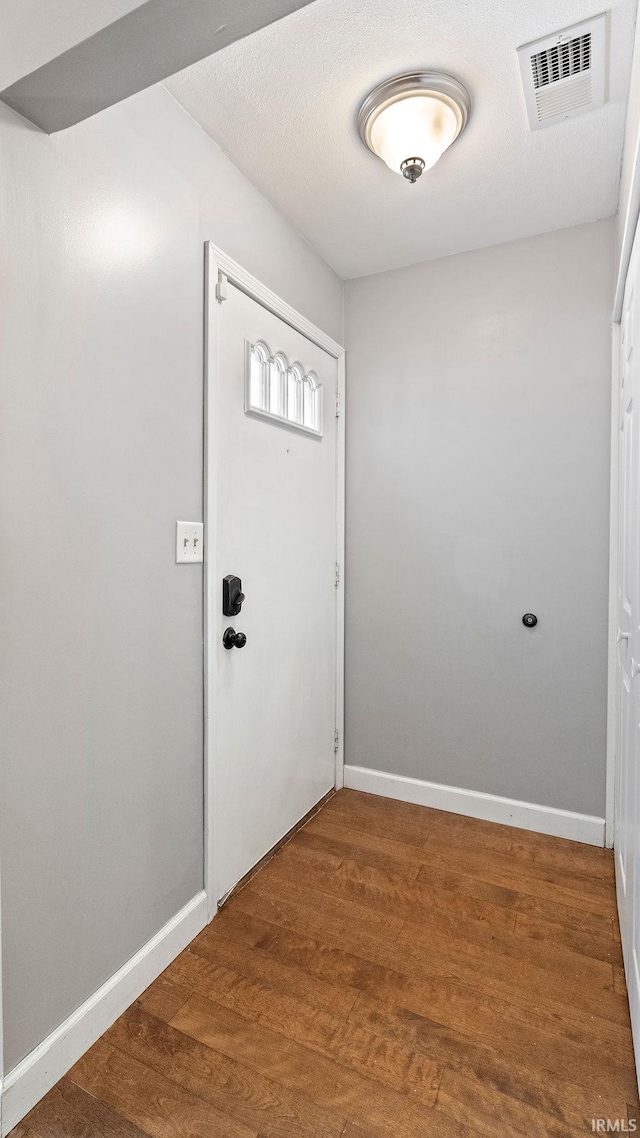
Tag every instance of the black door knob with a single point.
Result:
(529, 620)
(233, 639)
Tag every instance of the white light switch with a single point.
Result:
(189, 542)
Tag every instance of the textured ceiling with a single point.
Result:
(283, 102)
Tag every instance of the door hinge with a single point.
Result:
(337, 404)
(221, 287)
(336, 741)
(337, 573)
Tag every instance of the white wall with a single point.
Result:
(477, 490)
(101, 370)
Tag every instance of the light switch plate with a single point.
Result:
(189, 542)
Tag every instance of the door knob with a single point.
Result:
(233, 639)
(620, 635)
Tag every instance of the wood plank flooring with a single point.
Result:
(393, 971)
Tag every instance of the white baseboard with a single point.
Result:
(525, 815)
(27, 1083)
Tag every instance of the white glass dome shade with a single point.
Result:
(411, 120)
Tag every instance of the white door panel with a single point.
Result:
(274, 710)
(627, 803)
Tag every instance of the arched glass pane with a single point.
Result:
(259, 376)
(310, 402)
(277, 386)
(254, 389)
(295, 396)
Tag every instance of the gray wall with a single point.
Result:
(100, 452)
(477, 490)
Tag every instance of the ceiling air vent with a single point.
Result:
(564, 74)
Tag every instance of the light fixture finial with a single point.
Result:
(412, 168)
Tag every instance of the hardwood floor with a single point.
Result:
(393, 971)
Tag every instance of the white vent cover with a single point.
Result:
(564, 74)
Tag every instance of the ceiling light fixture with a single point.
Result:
(410, 120)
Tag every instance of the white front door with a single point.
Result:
(627, 804)
(273, 465)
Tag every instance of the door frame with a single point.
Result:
(219, 271)
(627, 225)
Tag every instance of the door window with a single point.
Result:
(282, 392)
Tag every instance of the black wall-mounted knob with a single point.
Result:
(233, 639)
(529, 620)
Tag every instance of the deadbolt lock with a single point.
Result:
(232, 595)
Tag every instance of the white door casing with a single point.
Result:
(627, 742)
(275, 517)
